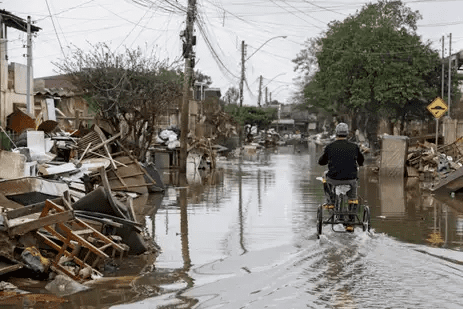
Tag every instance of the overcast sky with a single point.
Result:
(221, 27)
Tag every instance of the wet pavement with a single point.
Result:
(244, 236)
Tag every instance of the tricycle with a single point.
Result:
(342, 212)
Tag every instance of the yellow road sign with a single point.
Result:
(437, 108)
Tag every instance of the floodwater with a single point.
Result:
(244, 236)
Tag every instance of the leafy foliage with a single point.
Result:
(261, 117)
(126, 88)
(372, 61)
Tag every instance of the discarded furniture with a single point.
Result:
(31, 190)
(394, 150)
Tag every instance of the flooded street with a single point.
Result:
(245, 237)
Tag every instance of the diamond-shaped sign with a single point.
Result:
(437, 108)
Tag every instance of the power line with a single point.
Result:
(67, 10)
(54, 27)
(139, 21)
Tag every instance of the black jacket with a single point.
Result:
(342, 158)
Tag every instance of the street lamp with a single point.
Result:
(275, 37)
(260, 87)
(243, 60)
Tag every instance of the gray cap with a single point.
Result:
(342, 129)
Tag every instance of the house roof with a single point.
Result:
(215, 91)
(57, 92)
(16, 22)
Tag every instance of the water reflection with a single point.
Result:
(405, 209)
(392, 197)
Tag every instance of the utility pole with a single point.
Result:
(260, 91)
(266, 96)
(443, 55)
(30, 106)
(449, 99)
(188, 73)
(242, 72)
(270, 97)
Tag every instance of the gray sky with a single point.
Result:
(224, 24)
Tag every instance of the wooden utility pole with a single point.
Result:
(266, 96)
(260, 91)
(443, 65)
(188, 73)
(29, 104)
(449, 99)
(242, 72)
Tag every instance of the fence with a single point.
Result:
(452, 129)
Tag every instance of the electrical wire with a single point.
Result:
(54, 27)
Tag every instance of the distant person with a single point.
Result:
(343, 159)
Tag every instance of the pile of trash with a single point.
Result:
(67, 204)
(169, 137)
(434, 162)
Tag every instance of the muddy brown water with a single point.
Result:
(244, 237)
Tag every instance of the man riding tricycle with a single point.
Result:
(340, 184)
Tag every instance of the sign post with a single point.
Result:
(437, 108)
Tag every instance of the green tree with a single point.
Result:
(373, 63)
(261, 117)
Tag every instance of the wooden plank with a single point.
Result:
(8, 269)
(131, 186)
(58, 236)
(132, 211)
(83, 232)
(105, 147)
(27, 210)
(82, 241)
(23, 228)
(85, 152)
(105, 142)
(102, 156)
(135, 160)
(125, 176)
(120, 179)
(24, 211)
(101, 236)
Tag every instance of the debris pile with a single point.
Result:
(429, 162)
(67, 203)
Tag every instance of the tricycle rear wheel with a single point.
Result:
(366, 218)
(319, 220)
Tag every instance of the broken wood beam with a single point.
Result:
(105, 147)
(109, 140)
(85, 152)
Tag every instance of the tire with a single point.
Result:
(366, 218)
(319, 220)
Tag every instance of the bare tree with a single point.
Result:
(125, 88)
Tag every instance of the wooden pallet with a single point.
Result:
(56, 225)
(74, 241)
